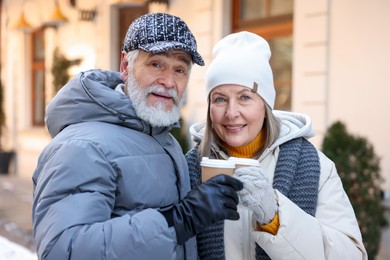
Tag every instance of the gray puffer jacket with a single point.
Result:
(100, 181)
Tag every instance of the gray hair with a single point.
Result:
(131, 56)
(211, 139)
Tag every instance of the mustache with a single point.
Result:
(156, 89)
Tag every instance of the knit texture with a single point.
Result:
(159, 32)
(242, 58)
(296, 176)
(258, 194)
(249, 150)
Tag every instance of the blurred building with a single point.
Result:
(330, 58)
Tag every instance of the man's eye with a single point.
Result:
(156, 64)
(182, 72)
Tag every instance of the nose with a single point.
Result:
(232, 110)
(166, 79)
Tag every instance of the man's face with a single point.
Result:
(169, 70)
(156, 84)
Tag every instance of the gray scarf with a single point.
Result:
(296, 176)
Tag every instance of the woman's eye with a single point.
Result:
(219, 100)
(244, 98)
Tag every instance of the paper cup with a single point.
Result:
(213, 167)
(244, 162)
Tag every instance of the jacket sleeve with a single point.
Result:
(74, 198)
(332, 234)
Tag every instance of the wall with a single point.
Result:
(359, 69)
(310, 63)
(340, 67)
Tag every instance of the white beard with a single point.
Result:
(156, 115)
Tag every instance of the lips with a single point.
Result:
(234, 127)
(163, 95)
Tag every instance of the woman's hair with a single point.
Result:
(210, 137)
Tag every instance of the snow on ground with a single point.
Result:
(12, 251)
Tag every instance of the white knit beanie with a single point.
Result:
(242, 58)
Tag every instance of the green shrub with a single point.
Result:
(59, 69)
(181, 136)
(359, 170)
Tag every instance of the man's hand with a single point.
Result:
(208, 203)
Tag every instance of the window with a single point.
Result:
(273, 20)
(260, 9)
(38, 78)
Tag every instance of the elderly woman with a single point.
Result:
(293, 206)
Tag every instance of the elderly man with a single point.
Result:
(114, 183)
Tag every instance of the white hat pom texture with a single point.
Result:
(243, 59)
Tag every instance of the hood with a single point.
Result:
(91, 96)
(293, 125)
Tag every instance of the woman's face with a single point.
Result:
(237, 114)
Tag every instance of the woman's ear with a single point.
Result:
(123, 66)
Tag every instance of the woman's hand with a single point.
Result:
(257, 194)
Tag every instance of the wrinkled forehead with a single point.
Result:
(177, 54)
(181, 55)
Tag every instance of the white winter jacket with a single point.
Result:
(332, 234)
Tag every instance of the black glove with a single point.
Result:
(208, 203)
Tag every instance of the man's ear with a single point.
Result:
(123, 66)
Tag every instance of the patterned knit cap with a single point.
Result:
(160, 32)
